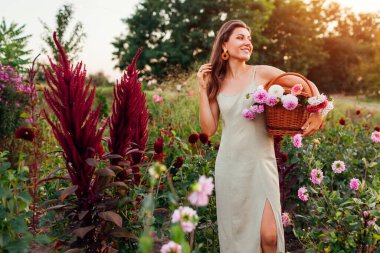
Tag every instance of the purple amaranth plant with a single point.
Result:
(129, 120)
(70, 99)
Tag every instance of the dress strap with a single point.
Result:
(254, 74)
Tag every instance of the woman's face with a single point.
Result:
(239, 44)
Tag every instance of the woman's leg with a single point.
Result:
(268, 230)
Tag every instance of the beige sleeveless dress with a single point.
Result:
(245, 176)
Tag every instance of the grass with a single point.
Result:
(179, 110)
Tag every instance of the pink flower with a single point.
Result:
(289, 101)
(372, 222)
(297, 89)
(375, 136)
(302, 194)
(260, 96)
(30, 120)
(338, 166)
(297, 140)
(316, 176)
(248, 114)
(157, 99)
(171, 247)
(366, 214)
(271, 100)
(201, 191)
(260, 108)
(354, 184)
(286, 221)
(256, 108)
(187, 217)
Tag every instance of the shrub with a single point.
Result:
(13, 99)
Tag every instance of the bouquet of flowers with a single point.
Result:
(276, 95)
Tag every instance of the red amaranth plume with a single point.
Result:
(129, 120)
(70, 99)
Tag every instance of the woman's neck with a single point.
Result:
(235, 68)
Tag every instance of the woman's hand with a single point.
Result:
(312, 124)
(203, 75)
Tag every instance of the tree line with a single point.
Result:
(333, 46)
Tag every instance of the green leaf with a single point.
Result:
(145, 244)
(24, 115)
(372, 164)
(43, 239)
(177, 235)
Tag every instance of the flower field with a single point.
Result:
(141, 180)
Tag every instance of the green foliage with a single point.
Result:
(13, 44)
(180, 33)
(293, 44)
(99, 79)
(334, 47)
(101, 99)
(14, 208)
(171, 191)
(350, 49)
(72, 44)
(333, 220)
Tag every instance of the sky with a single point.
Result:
(102, 22)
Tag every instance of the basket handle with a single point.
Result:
(294, 74)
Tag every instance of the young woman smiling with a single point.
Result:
(246, 177)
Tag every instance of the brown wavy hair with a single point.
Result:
(219, 66)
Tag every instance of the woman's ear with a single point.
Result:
(224, 48)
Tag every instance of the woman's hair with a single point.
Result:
(219, 66)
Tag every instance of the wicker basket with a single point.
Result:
(281, 121)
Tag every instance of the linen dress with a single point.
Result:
(245, 176)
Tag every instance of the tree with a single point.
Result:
(73, 44)
(293, 33)
(351, 51)
(179, 33)
(13, 43)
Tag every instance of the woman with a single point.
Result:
(246, 177)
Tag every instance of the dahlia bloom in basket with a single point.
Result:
(276, 94)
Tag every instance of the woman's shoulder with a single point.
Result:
(268, 72)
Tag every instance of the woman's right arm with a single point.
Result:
(208, 110)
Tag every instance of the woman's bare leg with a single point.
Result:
(268, 230)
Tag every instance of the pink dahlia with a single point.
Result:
(271, 100)
(286, 221)
(338, 166)
(158, 99)
(316, 176)
(260, 96)
(289, 101)
(354, 184)
(297, 140)
(375, 136)
(302, 194)
(372, 222)
(297, 89)
(171, 247)
(201, 191)
(248, 114)
(187, 217)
